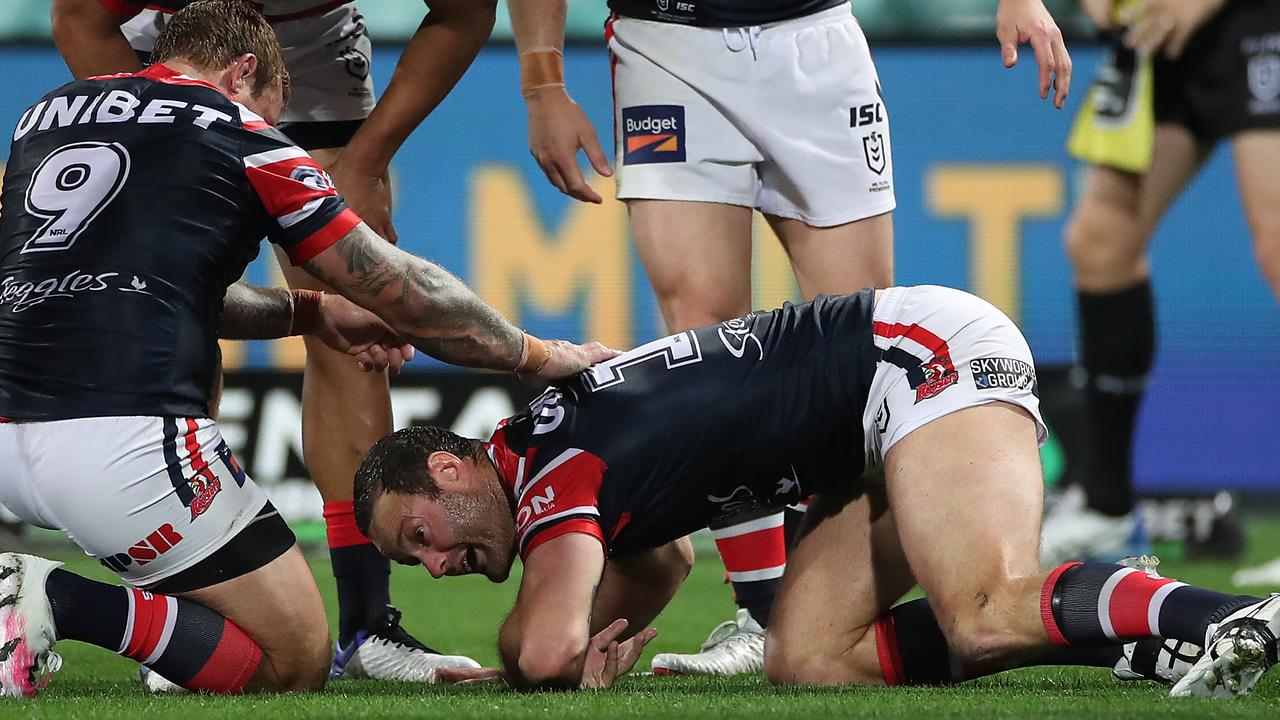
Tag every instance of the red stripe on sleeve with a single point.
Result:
(577, 525)
(343, 223)
(1046, 605)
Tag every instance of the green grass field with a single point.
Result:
(461, 615)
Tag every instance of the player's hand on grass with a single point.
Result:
(1027, 21)
(607, 659)
(566, 360)
(368, 194)
(557, 130)
(1166, 24)
(349, 328)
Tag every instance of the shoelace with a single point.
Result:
(392, 633)
(44, 668)
(725, 632)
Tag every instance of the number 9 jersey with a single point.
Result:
(130, 203)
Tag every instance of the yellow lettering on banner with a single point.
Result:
(515, 260)
(995, 199)
(772, 282)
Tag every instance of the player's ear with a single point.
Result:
(243, 69)
(445, 468)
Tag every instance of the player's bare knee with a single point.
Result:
(1103, 242)
(301, 667)
(799, 662)
(979, 631)
(680, 561)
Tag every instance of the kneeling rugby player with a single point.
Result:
(927, 394)
(131, 202)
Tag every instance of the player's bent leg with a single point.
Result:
(966, 492)
(844, 572)
(1257, 155)
(278, 606)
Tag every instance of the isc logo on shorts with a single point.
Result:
(652, 134)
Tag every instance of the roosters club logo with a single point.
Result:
(939, 375)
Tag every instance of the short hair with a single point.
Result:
(398, 464)
(213, 33)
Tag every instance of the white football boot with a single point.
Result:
(1164, 661)
(1079, 533)
(391, 653)
(1265, 574)
(735, 647)
(155, 683)
(1239, 650)
(27, 633)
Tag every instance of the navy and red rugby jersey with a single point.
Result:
(753, 413)
(130, 203)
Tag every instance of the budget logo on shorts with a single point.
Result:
(652, 134)
(997, 373)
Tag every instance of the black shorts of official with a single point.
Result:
(1227, 80)
(321, 134)
(263, 540)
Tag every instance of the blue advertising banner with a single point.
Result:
(983, 187)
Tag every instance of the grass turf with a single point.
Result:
(462, 615)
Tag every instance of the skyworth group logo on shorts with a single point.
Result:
(995, 373)
(652, 134)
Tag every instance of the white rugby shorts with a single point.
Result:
(328, 56)
(942, 350)
(148, 497)
(785, 117)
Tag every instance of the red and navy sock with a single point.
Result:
(184, 641)
(754, 551)
(363, 575)
(913, 651)
(1098, 602)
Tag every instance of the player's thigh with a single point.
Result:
(1257, 159)
(279, 607)
(953, 416)
(697, 256)
(846, 570)
(840, 259)
(1116, 214)
(966, 491)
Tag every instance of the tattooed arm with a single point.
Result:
(255, 313)
(436, 311)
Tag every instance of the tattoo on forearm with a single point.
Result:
(426, 304)
(255, 313)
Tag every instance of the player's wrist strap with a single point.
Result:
(540, 69)
(533, 356)
(306, 311)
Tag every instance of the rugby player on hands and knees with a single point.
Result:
(131, 202)
(332, 115)
(715, 118)
(928, 394)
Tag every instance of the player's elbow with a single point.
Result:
(551, 664)
(72, 20)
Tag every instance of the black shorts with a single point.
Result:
(1228, 77)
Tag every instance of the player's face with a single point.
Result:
(468, 529)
